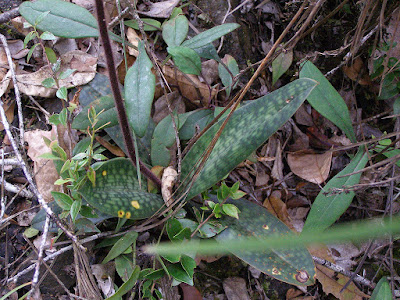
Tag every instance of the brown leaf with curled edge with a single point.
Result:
(134, 39)
(189, 86)
(277, 207)
(312, 167)
(357, 72)
(44, 169)
(85, 65)
(168, 180)
(331, 282)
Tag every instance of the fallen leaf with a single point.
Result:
(167, 184)
(85, 64)
(277, 207)
(235, 288)
(161, 9)
(331, 282)
(312, 167)
(189, 86)
(134, 39)
(44, 169)
(8, 105)
(357, 72)
(277, 169)
(117, 151)
(190, 292)
(161, 109)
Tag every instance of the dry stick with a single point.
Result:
(16, 89)
(9, 15)
(122, 117)
(35, 278)
(28, 176)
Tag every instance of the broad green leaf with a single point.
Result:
(225, 76)
(117, 192)
(149, 24)
(75, 208)
(281, 64)
(175, 31)
(327, 101)
(121, 245)
(231, 210)
(63, 200)
(127, 286)
(186, 59)
(293, 265)
(179, 274)
(208, 51)
(164, 137)
(65, 19)
(51, 55)
(382, 290)
(49, 82)
(62, 93)
(188, 264)
(326, 209)
(248, 128)
(355, 231)
(210, 35)
(140, 84)
(47, 36)
(124, 266)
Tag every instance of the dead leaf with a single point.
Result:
(262, 177)
(8, 106)
(190, 292)
(235, 288)
(277, 169)
(112, 148)
(44, 169)
(134, 39)
(189, 86)
(160, 9)
(331, 282)
(357, 72)
(312, 167)
(85, 64)
(104, 274)
(161, 109)
(167, 184)
(277, 207)
(209, 71)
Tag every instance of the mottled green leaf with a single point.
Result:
(327, 101)
(117, 191)
(248, 128)
(326, 209)
(175, 31)
(292, 265)
(140, 84)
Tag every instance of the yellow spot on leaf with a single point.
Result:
(128, 214)
(266, 227)
(121, 214)
(135, 204)
(275, 271)
(104, 173)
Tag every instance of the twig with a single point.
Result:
(9, 15)
(16, 89)
(339, 269)
(122, 117)
(35, 278)
(17, 190)
(30, 179)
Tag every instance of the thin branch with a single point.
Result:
(122, 117)
(9, 15)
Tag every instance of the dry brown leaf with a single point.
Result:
(167, 184)
(161, 109)
(85, 64)
(161, 9)
(134, 39)
(209, 71)
(332, 283)
(112, 148)
(312, 167)
(277, 207)
(8, 106)
(358, 72)
(189, 86)
(44, 169)
(277, 169)
(262, 177)
(190, 292)
(235, 288)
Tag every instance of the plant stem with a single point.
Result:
(122, 117)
